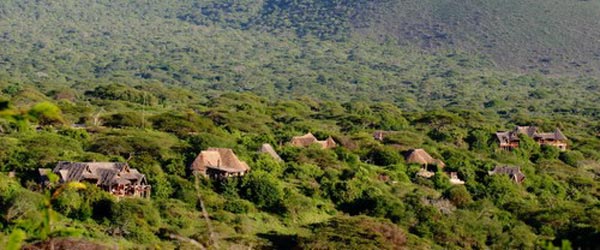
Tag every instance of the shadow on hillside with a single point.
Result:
(280, 241)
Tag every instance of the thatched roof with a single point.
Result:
(557, 135)
(303, 141)
(527, 130)
(222, 159)
(420, 156)
(507, 137)
(329, 143)
(513, 172)
(268, 149)
(100, 173)
(531, 131)
(309, 138)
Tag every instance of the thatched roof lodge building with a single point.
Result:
(510, 139)
(219, 163)
(308, 139)
(114, 177)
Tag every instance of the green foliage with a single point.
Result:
(122, 120)
(238, 206)
(458, 195)
(69, 202)
(46, 113)
(571, 157)
(361, 177)
(527, 147)
(354, 233)
(385, 156)
(181, 124)
(266, 163)
(330, 67)
(263, 190)
(15, 240)
(137, 218)
(123, 93)
(479, 140)
(550, 152)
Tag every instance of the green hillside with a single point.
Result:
(155, 82)
(550, 37)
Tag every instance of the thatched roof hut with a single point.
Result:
(218, 163)
(514, 173)
(309, 138)
(268, 149)
(420, 156)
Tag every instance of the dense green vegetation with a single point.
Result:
(156, 82)
(304, 202)
(213, 43)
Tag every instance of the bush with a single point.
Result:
(125, 119)
(138, 219)
(458, 195)
(550, 152)
(69, 202)
(46, 113)
(571, 158)
(479, 140)
(385, 156)
(237, 206)
(263, 190)
(354, 233)
(123, 93)
(266, 163)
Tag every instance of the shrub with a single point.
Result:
(46, 113)
(125, 119)
(385, 156)
(571, 158)
(138, 219)
(263, 190)
(354, 233)
(68, 202)
(458, 195)
(237, 206)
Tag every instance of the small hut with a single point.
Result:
(421, 157)
(219, 163)
(309, 138)
(514, 173)
(268, 149)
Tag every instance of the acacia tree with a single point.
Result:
(46, 113)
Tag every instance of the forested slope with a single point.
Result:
(156, 82)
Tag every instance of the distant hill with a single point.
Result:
(551, 37)
(330, 48)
